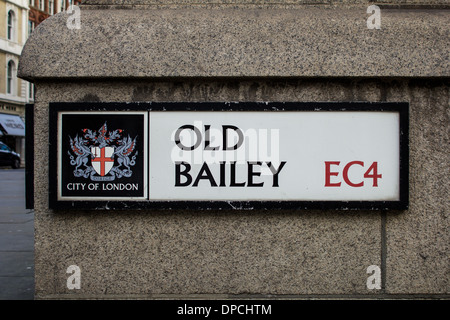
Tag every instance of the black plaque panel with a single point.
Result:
(101, 155)
(71, 122)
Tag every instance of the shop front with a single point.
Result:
(12, 133)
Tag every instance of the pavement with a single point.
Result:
(16, 238)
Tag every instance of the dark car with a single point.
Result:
(9, 157)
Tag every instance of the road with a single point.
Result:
(16, 238)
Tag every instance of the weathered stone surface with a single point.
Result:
(247, 54)
(260, 2)
(192, 43)
(418, 241)
(218, 254)
(146, 254)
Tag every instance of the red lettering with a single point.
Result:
(374, 175)
(328, 174)
(371, 173)
(345, 174)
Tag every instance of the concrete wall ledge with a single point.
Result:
(239, 43)
(265, 3)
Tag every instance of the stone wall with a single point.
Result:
(255, 254)
(222, 254)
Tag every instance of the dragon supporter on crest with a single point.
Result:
(102, 155)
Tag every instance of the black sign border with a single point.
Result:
(401, 107)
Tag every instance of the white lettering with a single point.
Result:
(93, 186)
(73, 186)
(374, 21)
(374, 281)
(246, 309)
(120, 186)
(74, 20)
(74, 281)
(194, 310)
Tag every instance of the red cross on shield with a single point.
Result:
(102, 159)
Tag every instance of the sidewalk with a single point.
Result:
(16, 238)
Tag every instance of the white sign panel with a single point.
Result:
(304, 156)
(229, 155)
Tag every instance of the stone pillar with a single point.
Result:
(146, 51)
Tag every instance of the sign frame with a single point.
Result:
(55, 108)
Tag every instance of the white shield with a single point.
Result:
(102, 159)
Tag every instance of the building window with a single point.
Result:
(63, 5)
(10, 26)
(41, 5)
(10, 77)
(51, 6)
(31, 91)
(31, 2)
(30, 27)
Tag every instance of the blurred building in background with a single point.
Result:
(14, 92)
(18, 19)
(42, 9)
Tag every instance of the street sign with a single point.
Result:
(101, 155)
(229, 155)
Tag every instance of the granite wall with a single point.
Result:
(255, 254)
